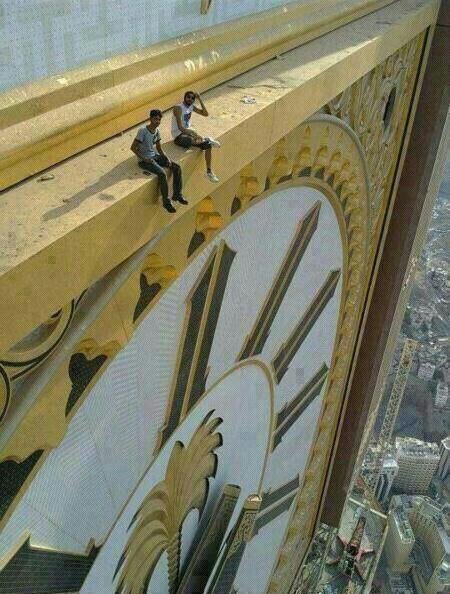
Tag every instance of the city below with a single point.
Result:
(394, 536)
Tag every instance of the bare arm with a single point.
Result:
(181, 127)
(203, 111)
(136, 148)
(160, 150)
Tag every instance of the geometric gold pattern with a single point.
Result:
(157, 523)
(305, 230)
(288, 349)
(203, 558)
(204, 300)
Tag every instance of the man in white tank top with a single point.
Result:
(185, 136)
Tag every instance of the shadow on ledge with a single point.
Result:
(128, 169)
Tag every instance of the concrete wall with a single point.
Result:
(39, 38)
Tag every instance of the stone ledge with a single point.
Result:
(58, 237)
(45, 122)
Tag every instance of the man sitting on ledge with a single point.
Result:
(183, 134)
(143, 147)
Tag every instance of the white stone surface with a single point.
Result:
(39, 38)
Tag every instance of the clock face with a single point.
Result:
(209, 412)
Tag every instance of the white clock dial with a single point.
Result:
(243, 435)
(246, 333)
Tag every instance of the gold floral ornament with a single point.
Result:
(208, 222)
(157, 523)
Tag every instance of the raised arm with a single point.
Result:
(203, 111)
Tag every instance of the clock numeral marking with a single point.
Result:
(236, 542)
(46, 570)
(288, 349)
(204, 305)
(205, 554)
(292, 410)
(276, 502)
(256, 340)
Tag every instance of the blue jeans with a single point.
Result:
(155, 165)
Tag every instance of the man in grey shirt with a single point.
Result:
(147, 139)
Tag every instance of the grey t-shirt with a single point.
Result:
(148, 140)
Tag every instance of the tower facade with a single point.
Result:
(173, 388)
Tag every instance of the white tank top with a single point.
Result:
(186, 113)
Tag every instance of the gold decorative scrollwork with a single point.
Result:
(155, 277)
(39, 343)
(375, 107)
(207, 222)
(249, 188)
(158, 521)
(31, 351)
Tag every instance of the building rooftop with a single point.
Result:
(410, 446)
(399, 515)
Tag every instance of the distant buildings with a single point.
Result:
(344, 561)
(400, 584)
(441, 396)
(443, 469)
(418, 544)
(400, 539)
(431, 552)
(417, 462)
(388, 474)
(426, 370)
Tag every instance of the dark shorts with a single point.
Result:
(186, 141)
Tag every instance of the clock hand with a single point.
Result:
(222, 582)
(206, 550)
(256, 340)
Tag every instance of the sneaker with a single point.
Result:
(168, 206)
(180, 199)
(214, 143)
(212, 177)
